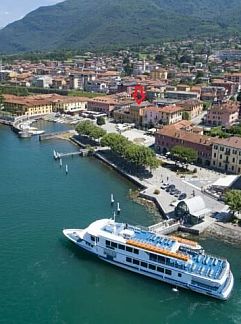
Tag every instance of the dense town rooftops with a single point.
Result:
(189, 103)
(110, 100)
(38, 100)
(170, 109)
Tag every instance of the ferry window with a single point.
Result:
(114, 245)
(161, 259)
(144, 264)
(136, 251)
(179, 274)
(107, 243)
(121, 247)
(160, 269)
(128, 249)
(92, 238)
(153, 257)
(128, 260)
(136, 262)
(152, 267)
(168, 272)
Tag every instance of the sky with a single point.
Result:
(11, 10)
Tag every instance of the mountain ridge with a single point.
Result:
(94, 24)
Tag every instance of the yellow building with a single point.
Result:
(70, 104)
(29, 106)
(43, 104)
(226, 154)
(158, 74)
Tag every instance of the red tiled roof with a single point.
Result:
(188, 136)
(233, 141)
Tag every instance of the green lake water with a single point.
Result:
(46, 279)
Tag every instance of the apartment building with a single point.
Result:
(29, 106)
(185, 135)
(162, 115)
(225, 114)
(226, 154)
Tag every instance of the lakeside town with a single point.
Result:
(189, 121)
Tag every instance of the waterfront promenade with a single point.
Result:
(163, 200)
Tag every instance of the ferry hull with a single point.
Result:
(146, 272)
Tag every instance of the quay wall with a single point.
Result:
(157, 203)
(124, 174)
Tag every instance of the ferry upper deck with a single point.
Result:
(183, 254)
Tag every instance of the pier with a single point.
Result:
(165, 227)
(81, 152)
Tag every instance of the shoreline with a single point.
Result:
(227, 232)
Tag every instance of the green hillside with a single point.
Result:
(93, 24)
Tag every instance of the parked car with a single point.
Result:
(164, 185)
(182, 196)
(170, 188)
(177, 193)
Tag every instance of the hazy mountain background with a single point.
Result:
(101, 23)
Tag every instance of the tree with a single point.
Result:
(185, 59)
(128, 68)
(186, 115)
(199, 74)
(136, 154)
(160, 58)
(185, 154)
(206, 105)
(89, 129)
(232, 198)
(100, 121)
(217, 131)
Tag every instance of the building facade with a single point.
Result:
(226, 155)
(193, 107)
(104, 104)
(223, 115)
(28, 106)
(182, 95)
(162, 115)
(183, 134)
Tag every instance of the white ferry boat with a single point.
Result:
(174, 260)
